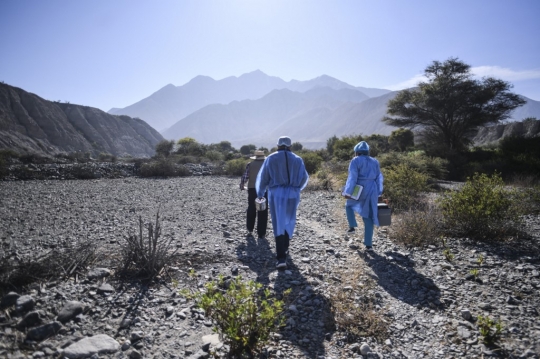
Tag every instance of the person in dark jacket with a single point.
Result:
(248, 179)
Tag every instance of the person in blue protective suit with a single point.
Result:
(365, 171)
(284, 175)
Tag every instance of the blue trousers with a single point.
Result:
(368, 225)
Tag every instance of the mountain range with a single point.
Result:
(255, 108)
(31, 124)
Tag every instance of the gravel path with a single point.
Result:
(429, 303)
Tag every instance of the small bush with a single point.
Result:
(483, 208)
(434, 167)
(403, 186)
(244, 314)
(163, 168)
(106, 157)
(312, 161)
(214, 156)
(235, 167)
(147, 255)
(418, 227)
(489, 329)
(82, 171)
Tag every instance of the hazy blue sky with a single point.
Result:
(112, 53)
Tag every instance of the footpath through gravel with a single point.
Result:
(429, 303)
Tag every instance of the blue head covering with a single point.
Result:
(362, 148)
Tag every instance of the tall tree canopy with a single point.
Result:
(451, 105)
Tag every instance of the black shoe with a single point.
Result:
(351, 230)
(369, 249)
(281, 264)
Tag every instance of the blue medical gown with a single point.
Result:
(283, 190)
(365, 171)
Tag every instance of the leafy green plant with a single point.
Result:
(482, 209)
(243, 313)
(489, 329)
(434, 167)
(403, 186)
(475, 273)
(235, 167)
(448, 254)
(480, 260)
(312, 161)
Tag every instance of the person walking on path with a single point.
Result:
(364, 171)
(284, 175)
(248, 178)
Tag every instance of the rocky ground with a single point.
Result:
(430, 304)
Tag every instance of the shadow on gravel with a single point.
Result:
(396, 275)
(309, 320)
(258, 256)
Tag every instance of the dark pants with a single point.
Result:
(282, 246)
(262, 216)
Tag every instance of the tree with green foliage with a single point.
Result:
(247, 149)
(312, 161)
(330, 144)
(185, 144)
(343, 148)
(401, 139)
(451, 105)
(164, 148)
(296, 146)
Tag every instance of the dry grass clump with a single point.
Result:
(17, 272)
(148, 253)
(355, 308)
(418, 227)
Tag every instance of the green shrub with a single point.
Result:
(434, 167)
(82, 171)
(482, 209)
(343, 148)
(236, 167)
(106, 157)
(489, 329)
(214, 155)
(312, 161)
(243, 313)
(163, 168)
(403, 186)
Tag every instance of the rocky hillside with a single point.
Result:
(525, 129)
(31, 124)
